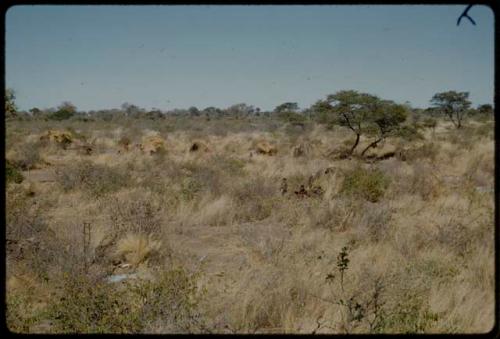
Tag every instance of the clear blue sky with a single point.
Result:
(179, 56)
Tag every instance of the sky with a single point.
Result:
(166, 57)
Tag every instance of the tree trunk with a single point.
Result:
(459, 119)
(355, 144)
(373, 144)
(450, 116)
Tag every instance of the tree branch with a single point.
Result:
(466, 15)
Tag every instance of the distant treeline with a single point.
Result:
(320, 111)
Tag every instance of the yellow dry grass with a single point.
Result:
(136, 248)
(265, 256)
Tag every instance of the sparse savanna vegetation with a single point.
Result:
(356, 215)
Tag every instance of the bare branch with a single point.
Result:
(466, 15)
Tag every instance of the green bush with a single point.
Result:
(168, 303)
(90, 307)
(19, 316)
(409, 133)
(411, 315)
(12, 174)
(61, 115)
(368, 184)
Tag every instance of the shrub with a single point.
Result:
(429, 150)
(27, 156)
(19, 316)
(410, 315)
(409, 133)
(22, 214)
(167, 304)
(255, 199)
(88, 306)
(94, 178)
(61, 115)
(368, 184)
(12, 174)
(201, 177)
(171, 303)
(136, 212)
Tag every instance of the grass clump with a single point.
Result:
(369, 184)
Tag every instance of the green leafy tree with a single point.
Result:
(454, 105)
(287, 107)
(36, 112)
(322, 112)
(193, 111)
(386, 117)
(485, 109)
(10, 105)
(288, 112)
(65, 111)
(352, 109)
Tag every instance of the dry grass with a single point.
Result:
(137, 248)
(417, 227)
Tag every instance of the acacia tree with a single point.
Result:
(289, 112)
(386, 116)
(352, 110)
(453, 104)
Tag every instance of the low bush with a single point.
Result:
(22, 214)
(428, 150)
(19, 318)
(255, 199)
(409, 133)
(94, 178)
(169, 303)
(27, 155)
(368, 184)
(12, 173)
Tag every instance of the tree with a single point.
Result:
(322, 112)
(352, 109)
(65, 111)
(36, 112)
(193, 111)
(453, 104)
(10, 106)
(387, 117)
(240, 109)
(485, 109)
(131, 110)
(287, 107)
(288, 112)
